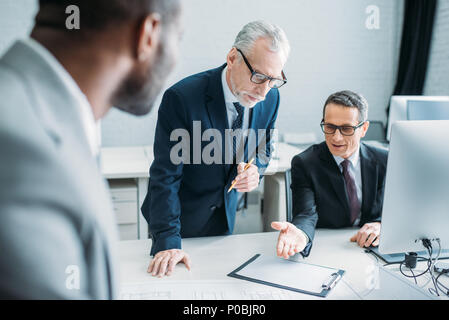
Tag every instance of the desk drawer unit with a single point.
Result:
(124, 200)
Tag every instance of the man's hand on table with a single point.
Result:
(164, 262)
(368, 235)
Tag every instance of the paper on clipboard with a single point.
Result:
(291, 275)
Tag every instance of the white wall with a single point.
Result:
(437, 80)
(331, 50)
(16, 20)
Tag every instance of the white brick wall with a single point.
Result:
(16, 20)
(437, 81)
(331, 50)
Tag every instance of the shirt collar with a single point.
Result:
(354, 158)
(228, 95)
(91, 128)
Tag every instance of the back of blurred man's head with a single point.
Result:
(145, 32)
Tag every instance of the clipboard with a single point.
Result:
(290, 275)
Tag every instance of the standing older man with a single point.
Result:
(192, 200)
(337, 183)
(57, 227)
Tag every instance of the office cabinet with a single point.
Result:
(124, 199)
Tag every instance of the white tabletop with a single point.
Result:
(126, 162)
(282, 157)
(214, 257)
(134, 162)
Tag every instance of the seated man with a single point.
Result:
(338, 183)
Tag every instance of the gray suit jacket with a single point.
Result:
(57, 229)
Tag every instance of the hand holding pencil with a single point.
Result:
(247, 178)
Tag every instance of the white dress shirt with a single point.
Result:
(230, 98)
(91, 128)
(355, 172)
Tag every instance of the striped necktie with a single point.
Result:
(354, 204)
(237, 125)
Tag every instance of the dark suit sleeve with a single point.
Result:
(381, 158)
(162, 207)
(304, 212)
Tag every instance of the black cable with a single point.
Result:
(414, 276)
(419, 259)
(442, 285)
(428, 245)
(429, 265)
(435, 280)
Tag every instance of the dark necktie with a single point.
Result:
(237, 125)
(354, 204)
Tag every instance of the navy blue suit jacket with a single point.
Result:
(183, 199)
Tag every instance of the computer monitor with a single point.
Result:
(416, 199)
(427, 110)
(398, 108)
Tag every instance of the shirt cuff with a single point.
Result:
(305, 235)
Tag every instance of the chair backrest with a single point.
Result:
(242, 201)
(376, 131)
(288, 194)
(427, 110)
(398, 108)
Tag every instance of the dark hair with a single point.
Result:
(349, 99)
(97, 15)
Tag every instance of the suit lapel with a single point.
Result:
(369, 170)
(336, 178)
(254, 117)
(216, 109)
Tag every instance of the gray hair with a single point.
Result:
(349, 99)
(255, 30)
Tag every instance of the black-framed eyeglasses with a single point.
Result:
(259, 78)
(329, 128)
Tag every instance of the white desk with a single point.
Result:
(214, 257)
(282, 157)
(126, 162)
(134, 163)
(130, 163)
(275, 207)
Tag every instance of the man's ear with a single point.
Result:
(365, 128)
(231, 57)
(148, 37)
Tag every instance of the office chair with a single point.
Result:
(427, 110)
(288, 194)
(242, 202)
(376, 132)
